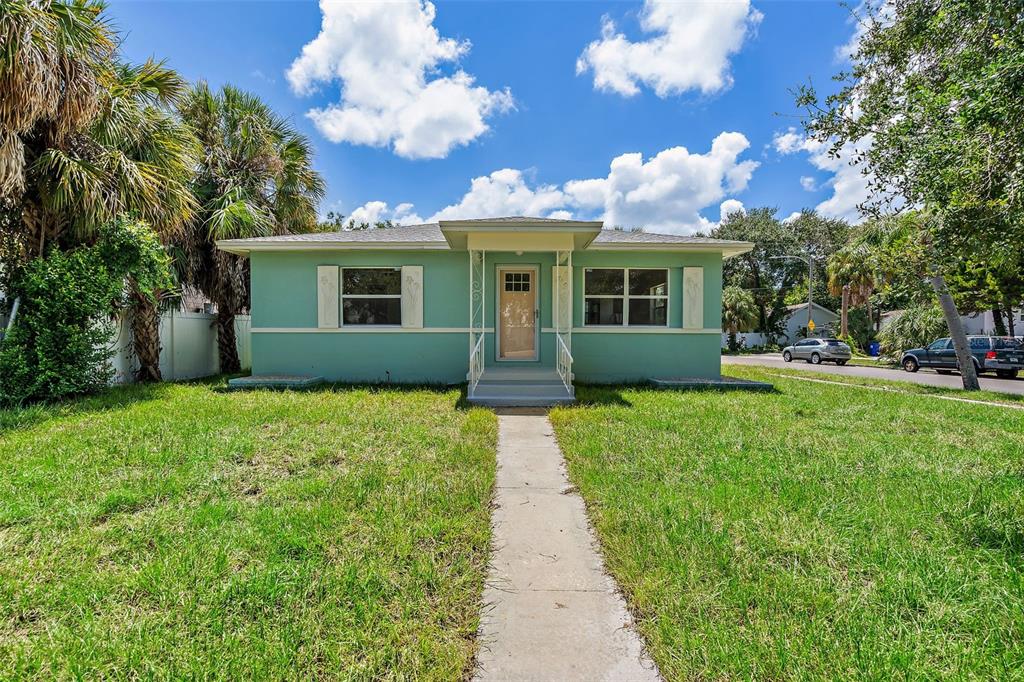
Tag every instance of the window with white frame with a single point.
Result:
(635, 297)
(371, 296)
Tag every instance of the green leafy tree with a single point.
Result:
(254, 178)
(933, 103)
(60, 344)
(760, 271)
(335, 222)
(773, 280)
(739, 311)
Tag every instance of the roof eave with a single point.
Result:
(243, 247)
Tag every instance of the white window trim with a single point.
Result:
(625, 296)
(342, 296)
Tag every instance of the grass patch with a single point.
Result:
(179, 531)
(820, 531)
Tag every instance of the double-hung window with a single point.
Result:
(635, 297)
(371, 296)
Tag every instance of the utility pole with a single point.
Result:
(810, 283)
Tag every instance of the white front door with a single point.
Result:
(517, 313)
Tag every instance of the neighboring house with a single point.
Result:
(975, 323)
(795, 322)
(984, 323)
(512, 305)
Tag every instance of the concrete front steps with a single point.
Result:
(521, 387)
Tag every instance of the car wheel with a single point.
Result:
(815, 359)
(787, 356)
(1006, 373)
(840, 362)
(910, 364)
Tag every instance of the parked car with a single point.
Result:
(1000, 354)
(817, 351)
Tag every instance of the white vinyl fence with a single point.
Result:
(746, 339)
(188, 347)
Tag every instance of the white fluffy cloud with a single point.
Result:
(668, 191)
(689, 50)
(504, 192)
(730, 206)
(379, 211)
(386, 58)
(850, 187)
(665, 193)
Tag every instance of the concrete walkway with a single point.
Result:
(550, 611)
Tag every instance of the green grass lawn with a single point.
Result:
(820, 531)
(179, 531)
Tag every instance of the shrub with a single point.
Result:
(912, 328)
(59, 345)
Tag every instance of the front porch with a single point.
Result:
(520, 309)
(520, 332)
(521, 387)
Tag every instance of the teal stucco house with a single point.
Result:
(520, 308)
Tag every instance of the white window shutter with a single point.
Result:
(693, 298)
(327, 307)
(561, 277)
(412, 296)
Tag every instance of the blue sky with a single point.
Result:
(466, 109)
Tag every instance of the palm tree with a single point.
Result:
(53, 60)
(84, 138)
(254, 178)
(851, 275)
(738, 311)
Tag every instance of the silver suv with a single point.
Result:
(817, 351)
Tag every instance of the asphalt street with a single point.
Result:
(925, 377)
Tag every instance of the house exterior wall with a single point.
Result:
(286, 340)
(797, 320)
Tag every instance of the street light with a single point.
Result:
(810, 283)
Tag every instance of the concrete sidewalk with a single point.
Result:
(550, 610)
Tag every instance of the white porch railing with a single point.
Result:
(477, 318)
(563, 363)
(561, 317)
(476, 365)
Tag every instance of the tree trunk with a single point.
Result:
(732, 341)
(1009, 319)
(227, 346)
(956, 332)
(844, 321)
(997, 320)
(145, 324)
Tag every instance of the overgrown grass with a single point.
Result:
(177, 531)
(823, 532)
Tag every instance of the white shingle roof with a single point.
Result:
(430, 236)
(430, 232)
(626, 237)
